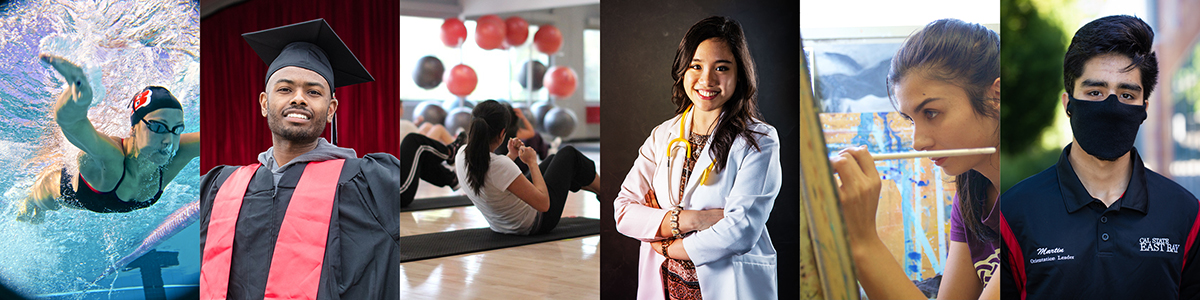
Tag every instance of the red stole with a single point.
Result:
(300, 248)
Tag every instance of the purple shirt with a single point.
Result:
(985, 255)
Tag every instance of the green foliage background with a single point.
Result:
(1031, 55)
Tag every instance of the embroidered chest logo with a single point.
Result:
(1157, 245)
(1051, 254)
(1044, 251)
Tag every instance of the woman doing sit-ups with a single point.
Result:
(512, 203)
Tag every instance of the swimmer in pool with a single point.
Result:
(115, 174)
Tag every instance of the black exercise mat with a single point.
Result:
(439, 244)
(586, 147)
(436, 203)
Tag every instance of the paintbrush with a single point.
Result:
(934, 153)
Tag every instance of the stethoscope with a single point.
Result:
(687, 148)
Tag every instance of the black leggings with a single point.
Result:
(422, 157)
(567, 171)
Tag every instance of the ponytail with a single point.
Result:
(489, 120)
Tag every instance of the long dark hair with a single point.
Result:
(742, 108)
(489, 119)
(966, 55)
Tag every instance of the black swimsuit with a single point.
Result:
(102, 202)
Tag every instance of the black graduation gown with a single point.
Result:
(362, 257)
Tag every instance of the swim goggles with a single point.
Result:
(160, 127)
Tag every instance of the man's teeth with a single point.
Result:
(298, 116)
(707, 93)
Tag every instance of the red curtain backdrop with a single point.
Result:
(232, 76)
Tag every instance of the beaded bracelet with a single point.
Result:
(666, 243)
(675, 222)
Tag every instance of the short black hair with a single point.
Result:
(1125, 35)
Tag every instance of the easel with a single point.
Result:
(826, 267)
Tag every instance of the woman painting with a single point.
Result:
(946, 79)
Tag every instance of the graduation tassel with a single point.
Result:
(333, 130)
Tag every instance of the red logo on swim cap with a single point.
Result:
(141, 100)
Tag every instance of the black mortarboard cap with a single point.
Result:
(310, 45)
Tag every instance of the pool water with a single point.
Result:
(123, 46)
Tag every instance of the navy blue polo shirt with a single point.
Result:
(1060, 243)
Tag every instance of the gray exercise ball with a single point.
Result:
(431, 110)
(539, 111)
(520, 104)
(539, 71)
(428, 73)
(457, 102)
(458, 118)
(504, 101)
(560, 122)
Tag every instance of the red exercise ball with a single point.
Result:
(560, 81)
(548, 39)
(453, 32)
(516, 30)
(461, 80)
(489, 32)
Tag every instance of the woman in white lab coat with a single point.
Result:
(705, 181)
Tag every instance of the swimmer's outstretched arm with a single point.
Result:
(104, 159)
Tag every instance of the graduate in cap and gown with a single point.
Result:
(310, 220)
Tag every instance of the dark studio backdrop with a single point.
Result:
(640, 40)
(232, 76)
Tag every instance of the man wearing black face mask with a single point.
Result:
(1099, 224)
